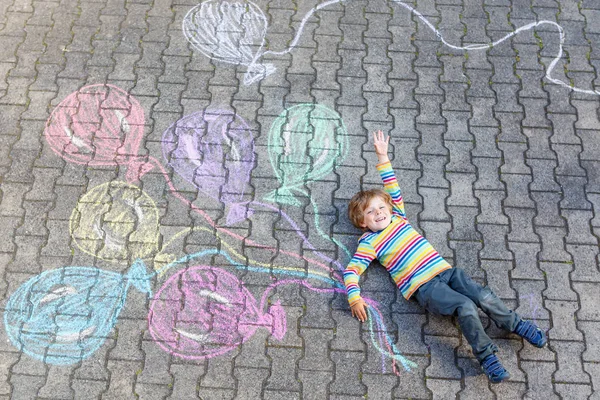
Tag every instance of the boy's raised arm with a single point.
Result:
(390, 183)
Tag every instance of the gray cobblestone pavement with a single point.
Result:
(498, 161)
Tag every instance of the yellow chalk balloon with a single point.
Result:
(116, 221)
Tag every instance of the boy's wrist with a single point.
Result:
(383, 158)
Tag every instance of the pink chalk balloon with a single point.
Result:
(202, 312)
(98, 125)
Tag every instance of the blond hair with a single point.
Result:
(360, 201)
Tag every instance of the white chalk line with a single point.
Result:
(471, 47)
(487, 46)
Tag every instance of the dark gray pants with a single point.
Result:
(454, 293)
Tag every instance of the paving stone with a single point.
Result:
(316, 349)
(475, 380)
(122, 379)
(570, 367)
(564, 327)
(461, 189)
(185, 380)
(557, 278)
(218, 374)
(215, 393)
(548, 212)
(443, 388)
(517, 190)
(490, 202)
(587, 293)
(463, 223)
(592, 369)
(57, 384)
(312, 384)
(347, 365)
(553, 244)
(497, 273)
(530, 294)
(25, 386)
(585, 262)
(466, 256)
(539, 377)
(442, 358)
(88, 388)
(543, 175)
(494, 242)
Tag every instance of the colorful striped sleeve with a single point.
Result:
(359, 263)
(390, 184)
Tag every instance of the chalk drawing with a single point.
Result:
(305, 143)
(99, 125)
(234, 32)
(202, 312)
(116, 221)
(312, 270)
(213, 150)
(533, 306)
(391, 350)
(64, 315)
(225, 231)
(487, 46)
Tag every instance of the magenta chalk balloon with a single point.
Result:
(202, 312)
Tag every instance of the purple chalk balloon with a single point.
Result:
(213, 150)
(202, 312)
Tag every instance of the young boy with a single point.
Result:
(419, 270)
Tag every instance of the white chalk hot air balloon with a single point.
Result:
(230, 31)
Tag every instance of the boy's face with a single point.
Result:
(377, 215)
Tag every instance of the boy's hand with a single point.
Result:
(359, 310)
(381, 142)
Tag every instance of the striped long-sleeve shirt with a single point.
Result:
(409, 258)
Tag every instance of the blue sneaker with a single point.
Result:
(494, 370)
(530, 332)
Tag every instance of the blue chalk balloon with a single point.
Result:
(64, 315)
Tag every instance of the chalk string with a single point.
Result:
(469, 47)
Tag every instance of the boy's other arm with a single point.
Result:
(359, 263)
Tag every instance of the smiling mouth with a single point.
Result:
(380, 219)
